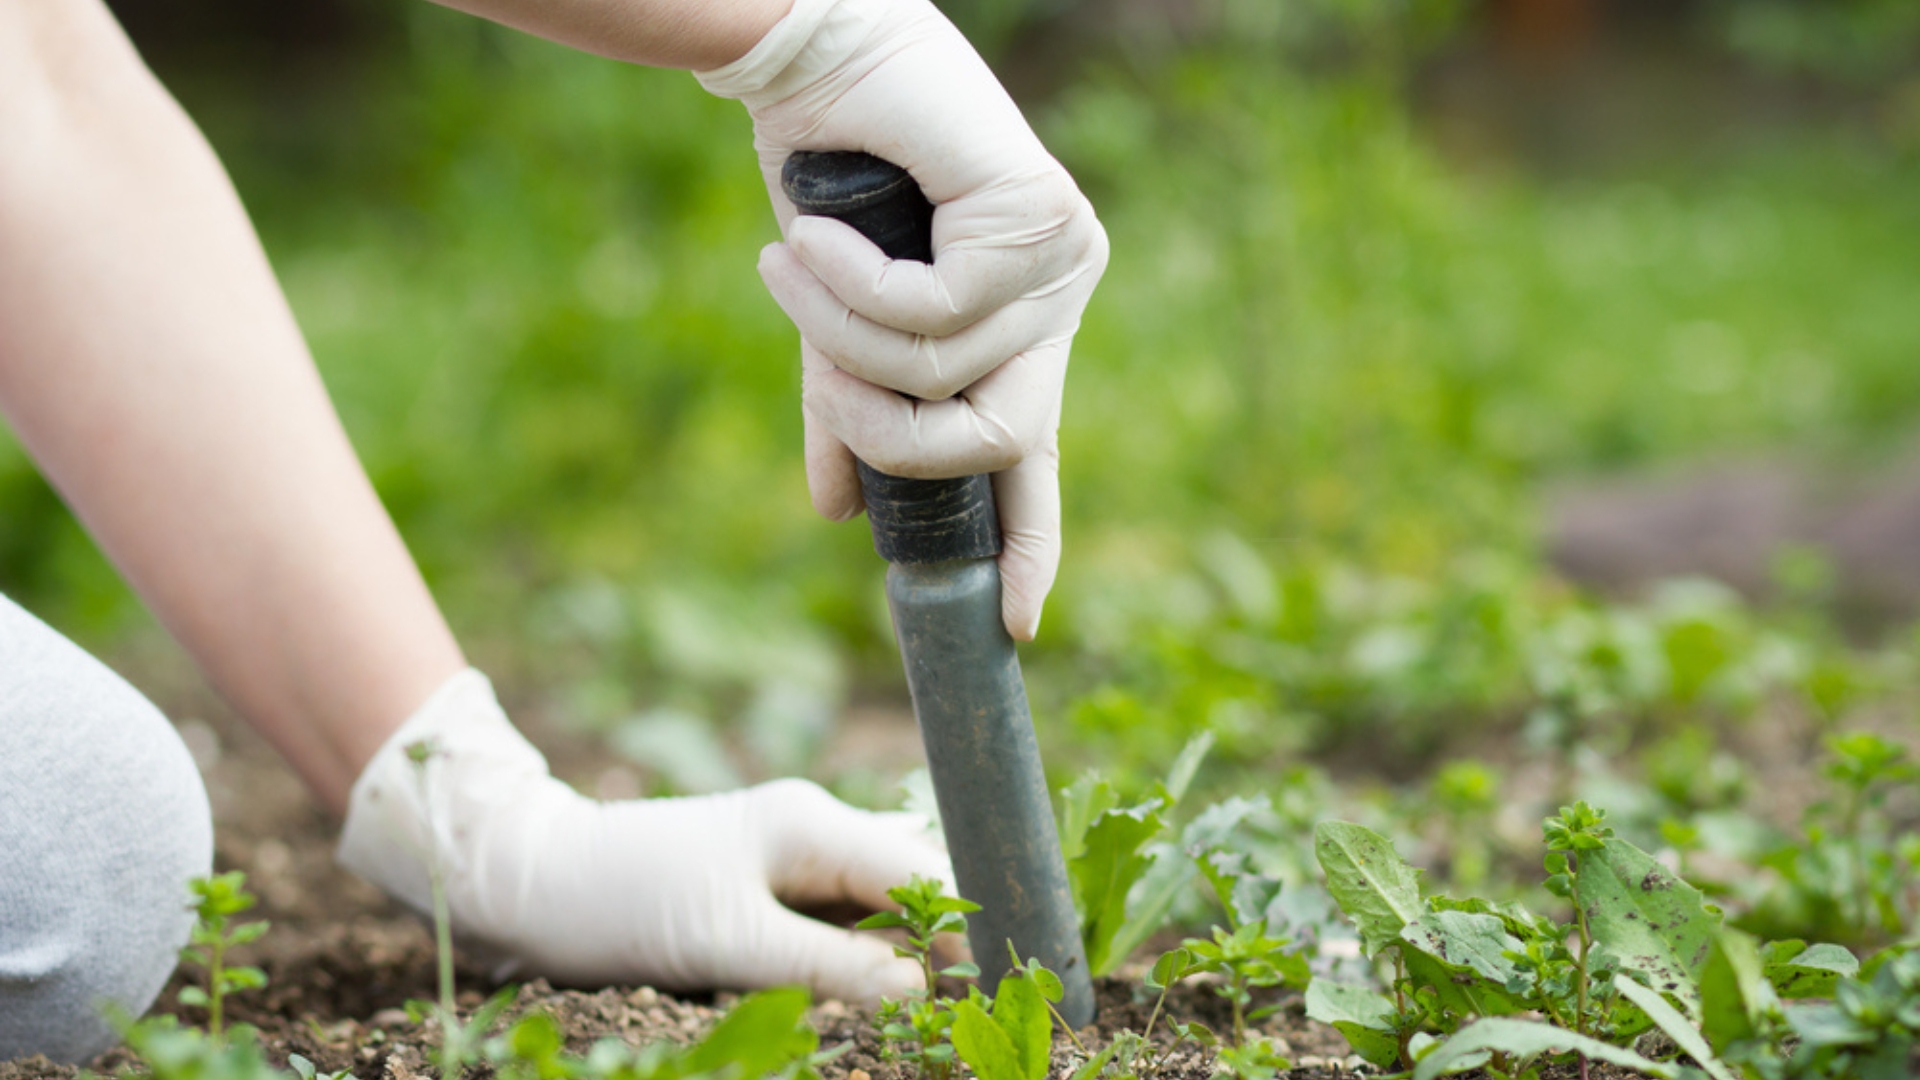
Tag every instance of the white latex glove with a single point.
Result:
(676, 893)
(981, 336)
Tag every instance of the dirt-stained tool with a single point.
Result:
(943, 586)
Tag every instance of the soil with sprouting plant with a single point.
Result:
(346, 969)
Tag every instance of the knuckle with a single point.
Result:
(794, 796)
(931, 385)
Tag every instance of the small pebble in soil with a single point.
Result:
(387, 1018)
(858, 1074)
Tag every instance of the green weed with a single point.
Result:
(219, 899)
(919, 1030)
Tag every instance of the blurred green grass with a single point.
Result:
(528, 277)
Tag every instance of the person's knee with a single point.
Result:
(103, 830)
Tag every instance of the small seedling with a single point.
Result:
(919, 1030)
(218, 900)
(460, 1044)
(1255, 1059)
(1133, 1054)
(1248, 956)
(926, 912)
(1576, 831)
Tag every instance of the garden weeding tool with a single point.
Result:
(943, 587)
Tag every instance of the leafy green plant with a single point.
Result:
(1252, 1059)
(1853, 873)
(1643, 950)
(1459, 961)
(171, 1051)
(219, 899)
(1009, 1038)
(1243, 951)
(919, 1029)
(764, 1035)
(1110, 860)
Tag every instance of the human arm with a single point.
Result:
(150, 365)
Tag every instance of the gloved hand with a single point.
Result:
(981, 335)
(676, 893)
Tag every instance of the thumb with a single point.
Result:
(820, 850)
(843, 964)
(1028, 499)
(831, 477)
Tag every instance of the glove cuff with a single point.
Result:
(401, 812)
(816, 37)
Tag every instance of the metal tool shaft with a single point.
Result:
(972, 705)
(943, 587)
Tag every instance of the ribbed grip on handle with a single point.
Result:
(914, 521)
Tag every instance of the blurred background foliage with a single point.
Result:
(1386, 273)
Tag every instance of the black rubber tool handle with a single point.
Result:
(914, 521)
(943, 589)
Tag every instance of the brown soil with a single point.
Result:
(342, 960)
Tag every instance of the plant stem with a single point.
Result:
(217, 954)
(1405, 1034)
(1580, 964)
(1062, 1021)
(1155, 1015)
(1239, 1019)
(443, 939)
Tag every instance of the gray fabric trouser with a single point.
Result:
(103, 820)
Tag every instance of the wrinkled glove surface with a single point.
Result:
(980, 338)
(678, 893)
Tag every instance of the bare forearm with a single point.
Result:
(693, 34)
(150, 365)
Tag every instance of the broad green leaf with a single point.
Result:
(1050, 986)
(1527, 1039)
(1170, 968)
(1180, 777)
(1364, 1017)
(1369, 880)
(1081, 803)
(1649, 920)
(1330, 1003)
(1678, 1028)
(883, 920)
(1172, 871)
(1461, 955)
(1459, 990)
(1020, 1011)
(984, 1045)
(1105, 871)
(1813, 972)
(760, 1034)
(1734, 993)
(1465, 942)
